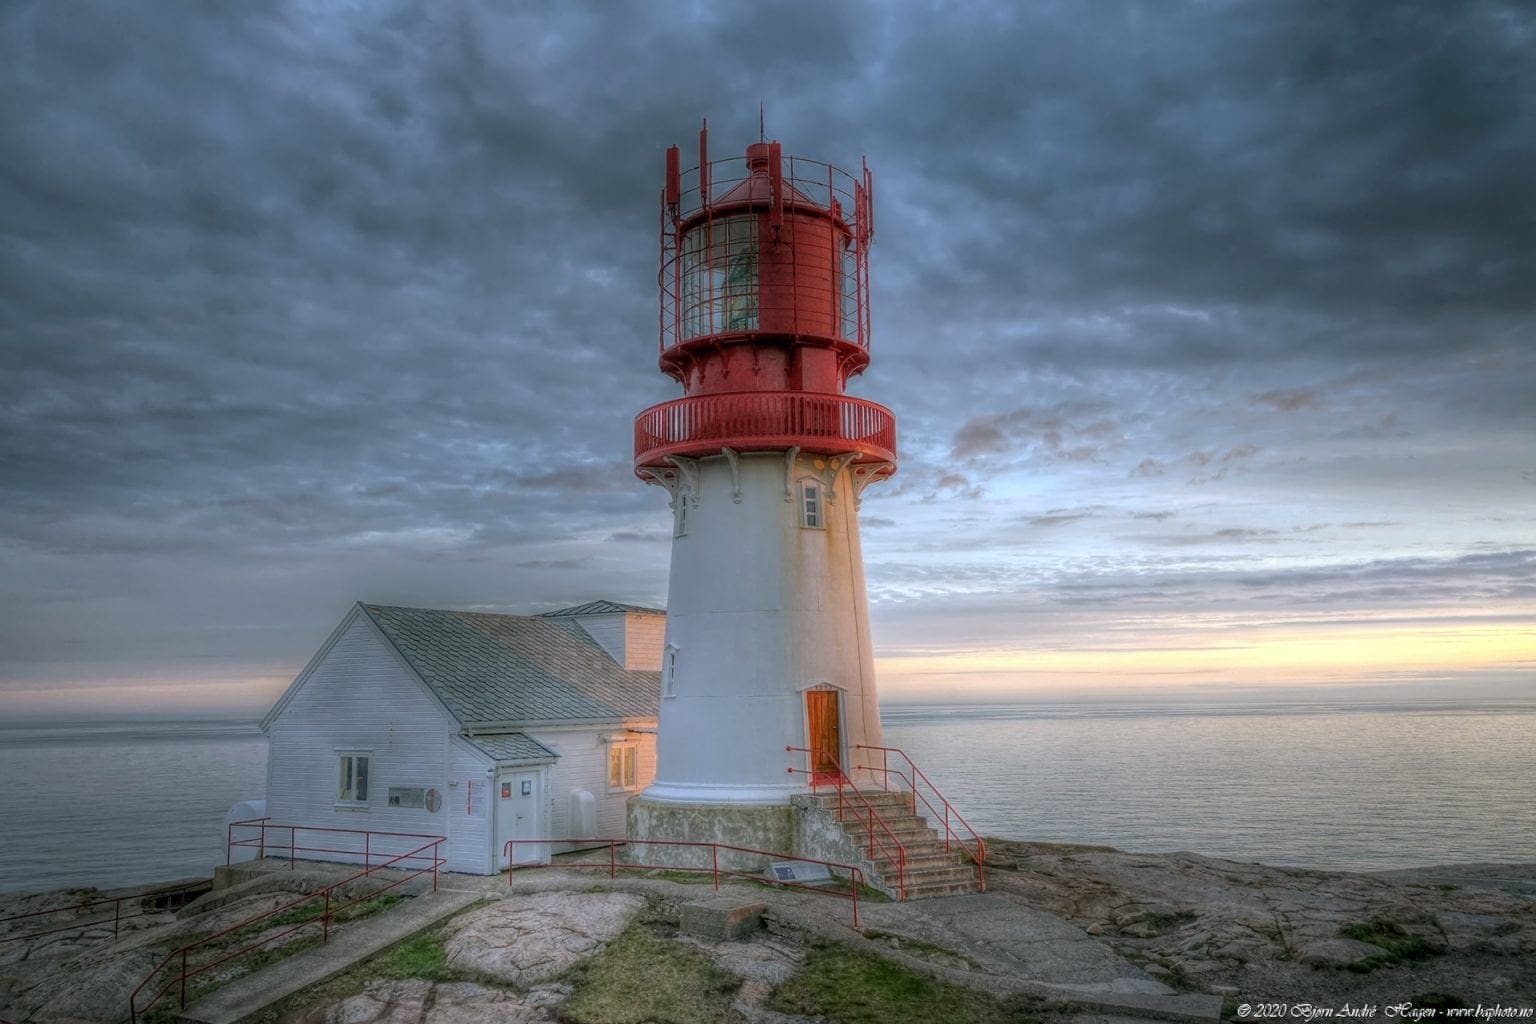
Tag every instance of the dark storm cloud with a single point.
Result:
(326, 301)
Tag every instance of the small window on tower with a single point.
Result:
(680, 517)
(811, 515)
(669, 673)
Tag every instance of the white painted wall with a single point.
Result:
(633, 639)
(583, 764)
(359, 696)
(760, 609)
(469, 834)
(644, 636)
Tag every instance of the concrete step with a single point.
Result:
(915, 830)
(916, 861)
(934, 890)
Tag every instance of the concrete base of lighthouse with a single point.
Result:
(757, 826)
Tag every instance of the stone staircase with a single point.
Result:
(930, 869)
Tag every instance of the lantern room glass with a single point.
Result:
(720, 291)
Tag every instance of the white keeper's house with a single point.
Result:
(478, 727)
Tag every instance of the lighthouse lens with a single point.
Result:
(720, 277)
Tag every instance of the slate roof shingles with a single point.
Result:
(515, 668)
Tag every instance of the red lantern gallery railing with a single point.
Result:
(765, 420)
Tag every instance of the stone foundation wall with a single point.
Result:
(759, 827)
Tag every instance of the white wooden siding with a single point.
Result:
(643, 636)
(469, 837)
(359, 697)
(583, 764)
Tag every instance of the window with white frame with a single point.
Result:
(812, 515)
(680, 517)
(669, 673)
(352, 787)
(621, 766)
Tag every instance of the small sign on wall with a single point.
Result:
(506, 790)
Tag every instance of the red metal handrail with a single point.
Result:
(263, 845)
(840, 782)
(976, 849)
(328, 911)
(80, 906)
(750, 420)
(855, 875)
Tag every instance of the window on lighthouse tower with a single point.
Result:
(720, 276)
(811, 515)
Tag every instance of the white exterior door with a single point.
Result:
(519, 800)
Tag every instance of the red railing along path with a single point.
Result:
(89, 906)
(889, 846)
(755, 420)
(614, 865)
(176, 969)
(939, 808)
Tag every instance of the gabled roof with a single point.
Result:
(512, 746)
(600, 608)
(515, 668)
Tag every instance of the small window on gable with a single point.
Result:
(812, 515)
(621, 766)
(669, 673)
(352, 787)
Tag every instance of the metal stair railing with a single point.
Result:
(890, 847)
(975, 848)
(302, 914)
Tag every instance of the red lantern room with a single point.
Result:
(764, 312)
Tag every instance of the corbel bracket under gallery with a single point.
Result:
(662, 478)
(828, 474)
(867, 473)
(734, 459)
(789, 472)
(688, 473)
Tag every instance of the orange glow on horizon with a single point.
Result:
(1241, 656)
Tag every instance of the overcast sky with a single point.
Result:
(1208, 328)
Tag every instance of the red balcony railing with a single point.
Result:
(765, 420)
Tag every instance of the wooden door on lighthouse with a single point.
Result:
(825, 730)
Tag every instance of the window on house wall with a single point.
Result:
(621, 766)
(811, 513)
(669, 673)
(353, 785)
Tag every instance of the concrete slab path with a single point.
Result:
(254, 992)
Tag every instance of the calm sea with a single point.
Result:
(1350, 786)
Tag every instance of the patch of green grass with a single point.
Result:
(643, 977)
(849, 987)
(1390, 936)
(420, 956)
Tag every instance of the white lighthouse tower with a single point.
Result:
(768, 678)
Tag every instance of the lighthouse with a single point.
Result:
(768, 683)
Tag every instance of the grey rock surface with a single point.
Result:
(528, 940)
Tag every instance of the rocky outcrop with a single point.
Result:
(529, 940)
(1287, 933)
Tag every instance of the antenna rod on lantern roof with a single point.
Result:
(762, 134)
